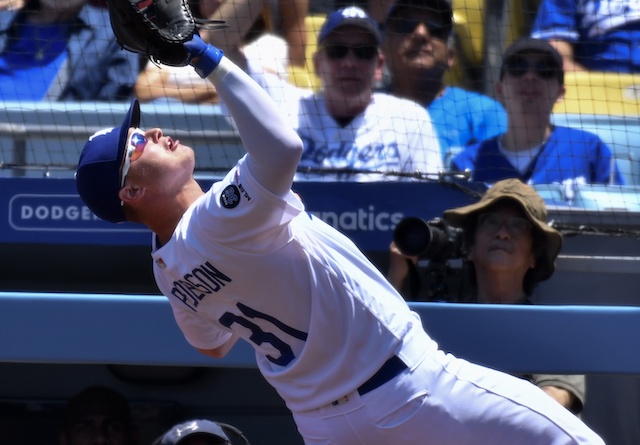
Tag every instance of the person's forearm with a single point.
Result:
(239, 16)
(273, 145)
(193, 95)
(151, 86)
(398, 267)
(294, 29)
(378, 9)
(560, 395)
(149, 93)
(565, 49)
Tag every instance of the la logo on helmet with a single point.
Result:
(100, 133)
(354, 11)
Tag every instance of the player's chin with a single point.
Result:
(184, 155)
(183, 150)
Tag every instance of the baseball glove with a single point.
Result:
(156, 28)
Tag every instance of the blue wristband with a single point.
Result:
(202, 56)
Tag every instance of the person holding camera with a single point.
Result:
(509, 248)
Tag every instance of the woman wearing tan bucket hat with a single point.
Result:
(507, 231)
(509, 249)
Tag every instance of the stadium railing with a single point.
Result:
(140, 330)
(132, 342)
(47, 137)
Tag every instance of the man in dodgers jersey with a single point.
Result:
(243, 260)
(348, 131)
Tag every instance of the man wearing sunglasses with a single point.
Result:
(532, 149)
(348, 131)
(243, 260)
(419, 51)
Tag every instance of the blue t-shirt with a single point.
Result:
(462, 118)
(568, 154)
(605, 33)
(32, 60)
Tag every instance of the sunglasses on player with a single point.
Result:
(135, 147)
(338, 51)
(517, 227)
(519, 66)
(408, 26)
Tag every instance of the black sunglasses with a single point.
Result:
(519, 66)
(337, 51)
(408, 26)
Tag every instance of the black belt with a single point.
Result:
(387, 371)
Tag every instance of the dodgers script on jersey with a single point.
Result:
(391, 135)
(223, 275)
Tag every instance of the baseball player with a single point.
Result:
(243, 260)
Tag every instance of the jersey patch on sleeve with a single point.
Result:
(230, 197)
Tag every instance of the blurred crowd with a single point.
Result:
(376, 93)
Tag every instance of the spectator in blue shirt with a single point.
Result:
(594, 35)
(62, 50)
(418, 50)
(532, 149)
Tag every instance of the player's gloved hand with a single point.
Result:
(202, 56)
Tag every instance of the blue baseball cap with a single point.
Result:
(207, 428)
(351, 15)
(99, 172)
(534, 46)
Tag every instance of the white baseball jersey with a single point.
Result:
(391, 135)
(246, 261)
(320, 316)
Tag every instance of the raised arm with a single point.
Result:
(378, 9)
(274, 147)
(294, 29)
(239, 16)
(566, 51)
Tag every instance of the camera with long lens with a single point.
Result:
(433, 239)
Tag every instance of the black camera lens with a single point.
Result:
(416, 237)
(412, 236)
